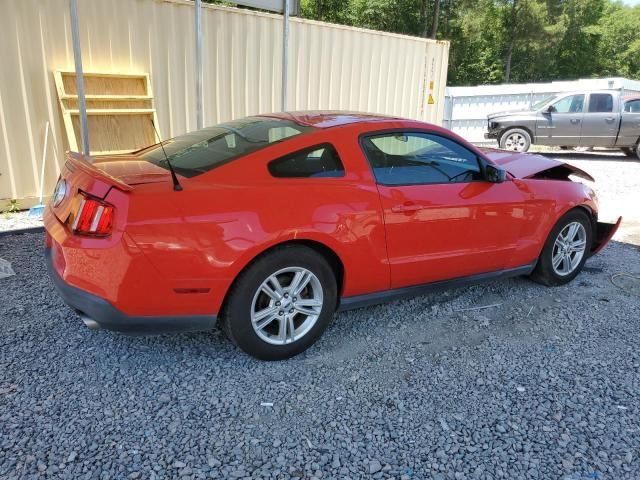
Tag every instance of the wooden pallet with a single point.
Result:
(119, 111)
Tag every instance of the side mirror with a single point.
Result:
(550, 109)
(495, 174)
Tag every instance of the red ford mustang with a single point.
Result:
(271, 223)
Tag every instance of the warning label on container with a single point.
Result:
(431, 101)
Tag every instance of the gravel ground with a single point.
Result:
(545, 383)
(17, 221)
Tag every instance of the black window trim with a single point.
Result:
(311, 148)
(482, 162)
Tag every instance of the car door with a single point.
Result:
(630, 123)
(561, 123)
(442, 219)
(600, 121)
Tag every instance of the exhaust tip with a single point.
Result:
(90, 323)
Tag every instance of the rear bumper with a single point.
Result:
(107, 316)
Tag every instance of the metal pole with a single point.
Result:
(199, 72)
(285, 53)
(77, 56)
(44, 159)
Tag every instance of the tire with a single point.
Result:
(545, 272)
(515, 139)
(275, 339)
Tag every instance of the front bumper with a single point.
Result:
(107, 316)
(490, 135)
(604, 232)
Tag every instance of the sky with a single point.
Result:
(631, 2)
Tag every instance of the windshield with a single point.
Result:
(198, 152)
(542, 103)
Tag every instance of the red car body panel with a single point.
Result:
(178, 253)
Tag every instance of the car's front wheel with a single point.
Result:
(516, 139)
(281, 304)
(565, 251)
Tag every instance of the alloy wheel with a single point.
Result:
(286, 305)
(515, 142)
(569, 248)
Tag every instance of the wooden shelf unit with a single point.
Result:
(119, 111)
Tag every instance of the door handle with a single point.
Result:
(575, 121)
(609, 119)
(406, 207)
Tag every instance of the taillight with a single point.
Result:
(94, 217)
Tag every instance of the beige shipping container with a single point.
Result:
(330, 67)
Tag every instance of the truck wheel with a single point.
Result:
(515, 139)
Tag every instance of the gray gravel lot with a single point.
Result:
(545, 385)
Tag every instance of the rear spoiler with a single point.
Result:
(76, 160)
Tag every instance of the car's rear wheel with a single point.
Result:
(280, 305)
(516, 139)
(566, 250)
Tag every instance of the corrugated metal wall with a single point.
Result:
(330, 67)
(466, 108)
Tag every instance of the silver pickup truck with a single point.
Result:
(601, 118)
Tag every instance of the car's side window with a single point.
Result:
(570, 104)
(632, 107)
(409, 158)
(317, 161)
(600, 103)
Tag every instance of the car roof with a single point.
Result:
(630, 98)
(328, 119)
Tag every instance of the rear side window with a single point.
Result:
(632, 107)
(600, 103)
(314, 162)
(203, 150)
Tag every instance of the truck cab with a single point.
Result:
(576, 119)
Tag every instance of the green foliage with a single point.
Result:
(619, 41)
(11, 207)
(535, 40)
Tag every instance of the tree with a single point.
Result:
(619, 41)
(494, 41)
